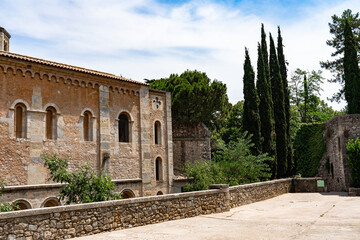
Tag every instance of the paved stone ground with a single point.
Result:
(289, 216)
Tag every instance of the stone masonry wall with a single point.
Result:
(334, 165)
(190, 143)
(85, 219)
(254, 192)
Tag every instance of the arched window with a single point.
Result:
(22, 204)
(123, 128)
(157, 132)
(51, 125)
(159, 193)
(158, 169)
(87, 126)
(50, 202)
(20, 120)
(127, 193)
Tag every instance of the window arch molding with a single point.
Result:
(50, 202)
(87, 110)
(17, 101)
(54, 106)
(127, 193)
(23, 204)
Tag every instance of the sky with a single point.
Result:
(150, 39)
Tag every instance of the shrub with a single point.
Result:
(84, 185)
(353, 150)
(232, 164)
(6, 207)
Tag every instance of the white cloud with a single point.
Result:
(144, 39)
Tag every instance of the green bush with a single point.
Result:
(84, 185)
(232, 164)
(309, 147)
(6, 207)
(353, 150)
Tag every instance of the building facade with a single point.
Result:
(117, 124)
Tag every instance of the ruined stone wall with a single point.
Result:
(190, 143)
(334, 166)
(254, 192)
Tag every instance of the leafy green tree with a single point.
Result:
(83, 185)
(305, 91)
(233, 125)
(233, 164)
(351, 71)
(251, 118)
(353, 150)
(283, 72)
(6, 207)
(337, 27)
(194, 97)
(278, 98)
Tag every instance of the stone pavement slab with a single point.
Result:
(290, 216)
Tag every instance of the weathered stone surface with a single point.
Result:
(55, 223)
(334, 165)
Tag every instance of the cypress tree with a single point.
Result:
(283, 72)
(251, 118)
(265, 55)
(265, 111)
(279, 111)
(351, 71)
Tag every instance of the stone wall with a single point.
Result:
(85, 219)
(334, 166)
(254, 192)
(190, 143)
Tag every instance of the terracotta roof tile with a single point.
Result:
(69, 67)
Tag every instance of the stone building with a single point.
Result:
(117, 124)
(334, 165)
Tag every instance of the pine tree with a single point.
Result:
(351, 71)
(279, 111)
(265, 111)
(283, 72)
(251, 119)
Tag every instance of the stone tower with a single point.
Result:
(4, 40)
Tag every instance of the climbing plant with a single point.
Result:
(309, 148)
(353, 150)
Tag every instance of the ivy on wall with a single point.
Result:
(309, 147)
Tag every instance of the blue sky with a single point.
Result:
(141, 39)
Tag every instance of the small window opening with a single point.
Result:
(87, 129)
(158, 169)
(20, 121)
(157, 134)
(51, 123)
(123, 128)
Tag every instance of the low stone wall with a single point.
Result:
(254, 192)
(85, 219)
(308, 185)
